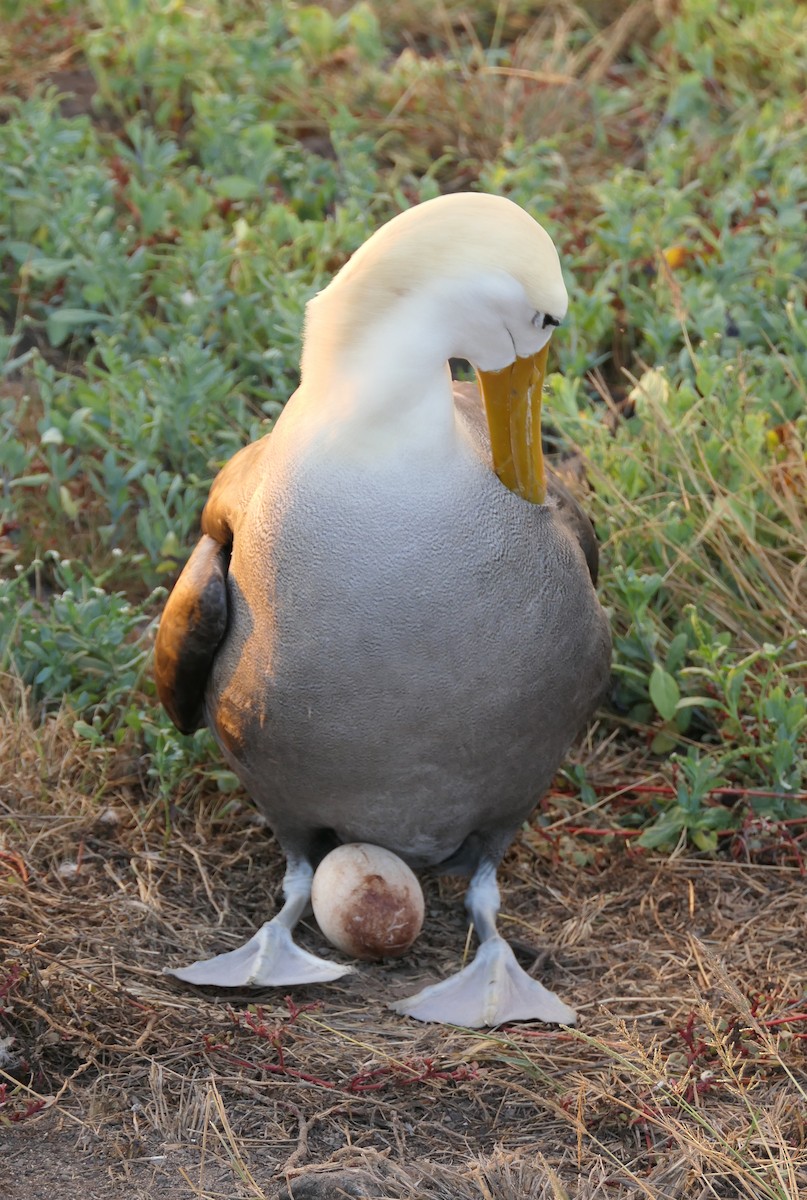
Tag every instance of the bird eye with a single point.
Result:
(542, 320)
(550, 321)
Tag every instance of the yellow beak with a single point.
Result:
(513, 406)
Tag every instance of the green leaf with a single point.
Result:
(704, 839)
(783, 758)
(171, 547)
(236, 187)
(365, 32)
(63, 321)
(664, 832)
(664, 742)
(683, 719)
(315, 28)
(735, 678)
(48, 269)
(69, 506)
(34, 480)
(677, 652)
(717, 817)
(664, 692)
(84, 730)
(226, 781)
(21, 252)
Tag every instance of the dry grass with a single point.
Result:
(444, 107)
(747, 565)
(43, 43)
(687, 1077)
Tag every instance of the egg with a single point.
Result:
(367, 901)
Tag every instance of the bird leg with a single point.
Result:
(493, 988)
(270, 958)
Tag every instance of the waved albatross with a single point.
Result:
(390, 622)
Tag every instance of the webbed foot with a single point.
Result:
(269, 959)
(493, 989)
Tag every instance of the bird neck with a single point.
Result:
(389, 389)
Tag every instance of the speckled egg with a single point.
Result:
(367, 901)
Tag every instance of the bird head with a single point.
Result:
(484, 281)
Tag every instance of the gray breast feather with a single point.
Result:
(405, 669)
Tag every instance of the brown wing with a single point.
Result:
(577, 522)
(192, 626)
(194, 620)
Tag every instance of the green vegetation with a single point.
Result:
(157, 251)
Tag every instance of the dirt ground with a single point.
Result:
(686, 1077)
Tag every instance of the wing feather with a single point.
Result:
(194, 620)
